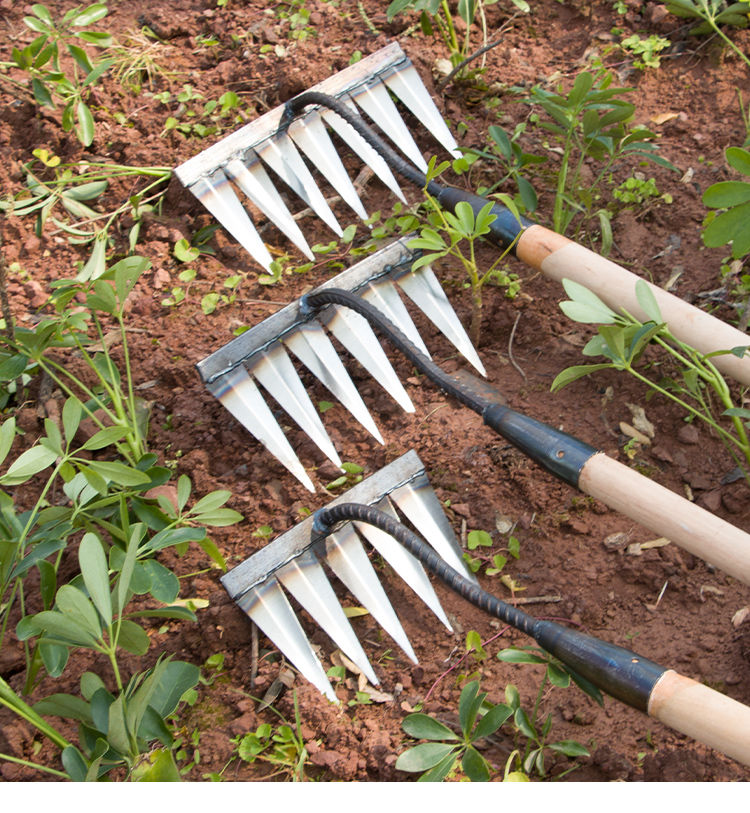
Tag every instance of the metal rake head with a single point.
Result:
(239, 161)
(293, 563)
(260, 354)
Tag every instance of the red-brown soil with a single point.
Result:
(607, 592)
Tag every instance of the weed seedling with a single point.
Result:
(280, 746)
(646, 51)
(445, 749)
(535, 731)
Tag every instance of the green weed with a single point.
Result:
(455, 235)
(437, 15)
(713, 14)
(40, 60)
(698, 388)
(591, 123)
(105, 475)
(646, 51)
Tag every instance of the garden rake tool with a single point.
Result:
(277, 139)
(334, 536)
(367, 294)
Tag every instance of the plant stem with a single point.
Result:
(34, 765)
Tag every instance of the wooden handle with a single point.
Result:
(559, 258)
(703, 714)
(668, 514)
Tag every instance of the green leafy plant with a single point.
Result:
(494, 564)
(698, 387)
(281, 746)
(640, 193)
(297, 15)
(445, 749)
(591, 122)
(536, 731)
(194, 118)
(105, 475)
(438, 15)
(50, 83)
(351, 476)
(731, 223)
(506, 151)
(713, 14)
(62, 194)
(646, 51)
(455, 235)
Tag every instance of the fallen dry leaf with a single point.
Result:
(740, 616)
(634, 433)
(640, 421)
(661, 542)
(662, 118)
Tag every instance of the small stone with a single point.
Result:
(711, 500)
(616, 541)
(658, 13)
(688, 434)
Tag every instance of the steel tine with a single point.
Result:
(314, 349)
(407, 567)
(304, 578)
(216, 194)
(255, 183)
(269, 608)
(420, 505)
(377, 103)
(355, 333)
(274, 370)
(406, 83)
(311, 136)
(424, 289)
(384, 296)
(347, 558)
(358, 145)
(238, 393)
(281, 155)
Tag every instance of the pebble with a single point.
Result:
(688, 434)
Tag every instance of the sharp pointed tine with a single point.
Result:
(384, 296)
(256, 184)
(269, 608)
(351, 137)
(422, 508)
(347, 559)
(313, 348)
(355, 333)
(379, 106)
(217, 195)
(311, 136)
(241, 397)
(407, 85)
(276, 373)
(407, 567)
(281, 155)
(423, 288)
(304, 578)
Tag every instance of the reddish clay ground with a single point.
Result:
(604, 591)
